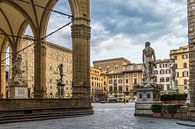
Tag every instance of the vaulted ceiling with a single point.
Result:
(15, 15)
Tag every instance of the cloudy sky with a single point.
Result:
(121, 27)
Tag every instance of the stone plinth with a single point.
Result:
(18, 92)
(147, 95)
(143, 108)
(16, 110)
(188, 113)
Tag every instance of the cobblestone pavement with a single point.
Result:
(106, 116)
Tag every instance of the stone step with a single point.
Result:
(43, 116)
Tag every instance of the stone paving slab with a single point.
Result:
(106, 116)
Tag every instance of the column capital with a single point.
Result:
(81, 31)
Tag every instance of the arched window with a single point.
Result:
(156, 72)
(168, 71)
(110, 82)
(120, 81)
(185, 65)
(161, 71)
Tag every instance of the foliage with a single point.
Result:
(156, 108)
(163, 108)
(168, 97)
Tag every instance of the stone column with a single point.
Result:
(81, 57)
(2, 76)
(191, 37)
(39, 69)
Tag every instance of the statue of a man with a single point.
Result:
(61, 71)
(173, 68)
(149, 60)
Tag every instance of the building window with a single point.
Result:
(168, 71)
(167, 79)
(116, 67)
(161, 71)
(156, 72)
(135, 75)
(175, 57)
(135, 81)
(148, 96)
(185, 82)
(140, 96)
(120, 81)
(185, 65)
(177, 74)
(127, 89)
(162, 79)
(185, 74)
(185, 56)
(110, 81)
(127, 81)
(120, 88)
(168, 86)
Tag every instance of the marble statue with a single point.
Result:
(149, 60)
(173, 68)
(18, 78)
(60, 83)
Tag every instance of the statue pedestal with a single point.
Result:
(173, 91)
(147, 95)
(18, 92)
(60, 87)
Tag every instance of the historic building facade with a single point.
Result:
(162, 72)
(114, 65)
(181, 57)
(55, 55)
(98, 83)
(132, 76)
(121, 77)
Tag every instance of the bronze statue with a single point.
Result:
(149, 60)
(61, 71)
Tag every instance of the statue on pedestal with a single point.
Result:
(173, 68)
(60, 83)
(18, 86)
(149, 60)
(18, 78)
(148, 92)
